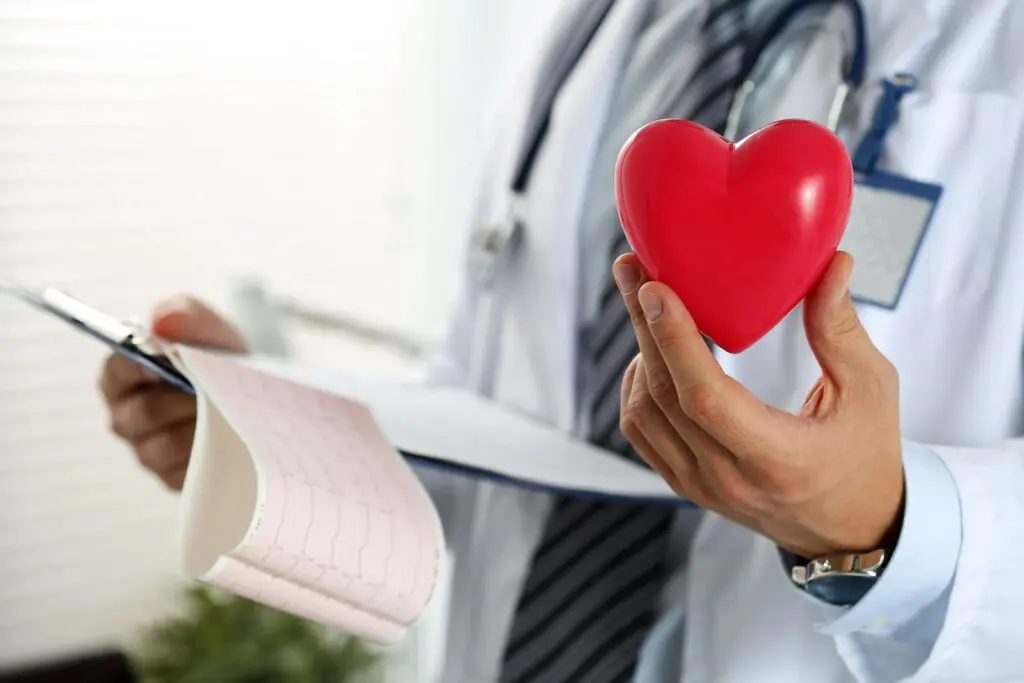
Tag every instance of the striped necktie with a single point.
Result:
(590, 597)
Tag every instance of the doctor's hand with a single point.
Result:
(828, 479)
(155, 419)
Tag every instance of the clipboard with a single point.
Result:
(133, 342)
(125, 338)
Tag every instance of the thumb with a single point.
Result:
(839, 342)
(189, 321)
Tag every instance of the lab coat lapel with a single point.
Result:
(536, 364)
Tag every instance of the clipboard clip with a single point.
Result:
(127, 338)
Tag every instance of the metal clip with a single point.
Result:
(835, 112)
(140, 337)
(492, 243)
(739, 104)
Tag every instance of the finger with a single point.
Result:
(189, 321)
(121, 376)
(834, 331)
(629, 276)
(630, 428)
(660, 467)
(175, 479)
(627, 382)
(661, 382)
(666, 446)
(139, 415)
(716, 403)
(167, 453)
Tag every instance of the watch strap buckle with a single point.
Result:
(867, 564)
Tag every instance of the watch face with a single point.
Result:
(841, 590)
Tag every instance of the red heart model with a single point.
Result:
(741, 232)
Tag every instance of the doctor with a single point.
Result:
(860, 465)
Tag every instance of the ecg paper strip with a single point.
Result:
(340, 516)
(241, 579)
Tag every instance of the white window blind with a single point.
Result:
(152, 147)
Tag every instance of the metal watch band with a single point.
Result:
(840, 579)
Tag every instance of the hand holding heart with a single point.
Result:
(740, 232)
(828, 479)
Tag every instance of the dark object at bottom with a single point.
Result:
(105, 667)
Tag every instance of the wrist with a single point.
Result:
(840, 572)
(917, 576)
(892, 534)
(858, 524)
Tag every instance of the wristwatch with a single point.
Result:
(840, 579)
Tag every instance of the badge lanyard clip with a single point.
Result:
(887, 112)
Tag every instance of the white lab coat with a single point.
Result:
(957, 340)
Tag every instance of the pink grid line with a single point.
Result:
(345, 531)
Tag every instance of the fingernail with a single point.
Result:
(651, 303)
(176, 304)
(627, 276)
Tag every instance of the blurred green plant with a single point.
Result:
(226, 639)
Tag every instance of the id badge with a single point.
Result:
(890, 214)
(888, 223)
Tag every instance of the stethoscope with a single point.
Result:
(494, 246)
(765, 50)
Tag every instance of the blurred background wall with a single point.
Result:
(323, 151)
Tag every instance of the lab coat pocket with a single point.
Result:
(969, 144)
(959, 317)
